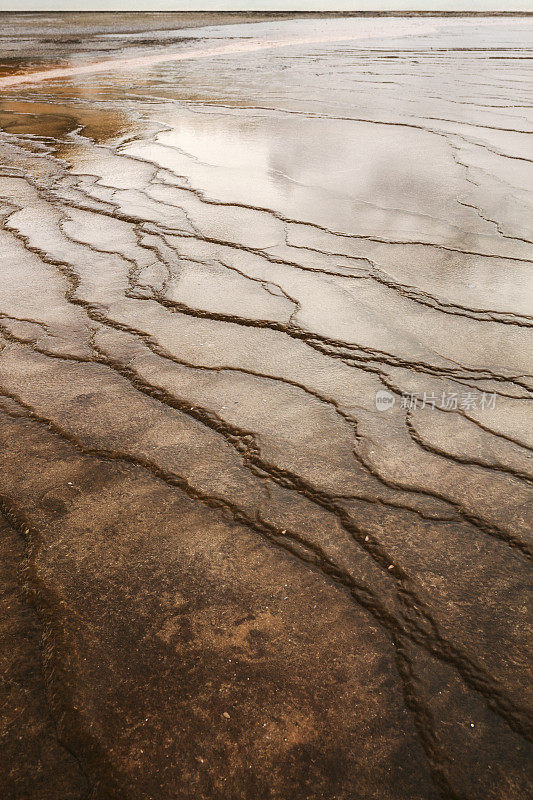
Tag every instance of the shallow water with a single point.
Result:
(265, 301)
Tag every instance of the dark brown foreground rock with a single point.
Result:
(189, 658)
(34, 764)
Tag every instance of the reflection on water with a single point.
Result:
(54, 120)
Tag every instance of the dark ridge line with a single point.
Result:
(117, 150)
(444, 650)
(138, 383)
(42, 325)
(475, 167)
(423, 643)
(289, 221)
(265, 284)
(499, 435)
(506, 318)
(210, 201)
(398, 124)
(267, 257)
(388, 382)
(321, 343)
(312, 339)
(270, 474)
(418, 438)
(373, 273)
(97, 315)
(426, 299)
(95, 176)
(425, 725)
(337, 407)
(496, 529)
(163, 232)
(494, 222)
(355, 352)
(322, 564)
(243, 441)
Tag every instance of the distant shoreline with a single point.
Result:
(281, 14)
(139, 21)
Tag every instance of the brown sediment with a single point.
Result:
(35, 761)
(241, 578)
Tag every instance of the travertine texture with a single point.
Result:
(228, 572)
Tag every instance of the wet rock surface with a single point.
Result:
(265, 439)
